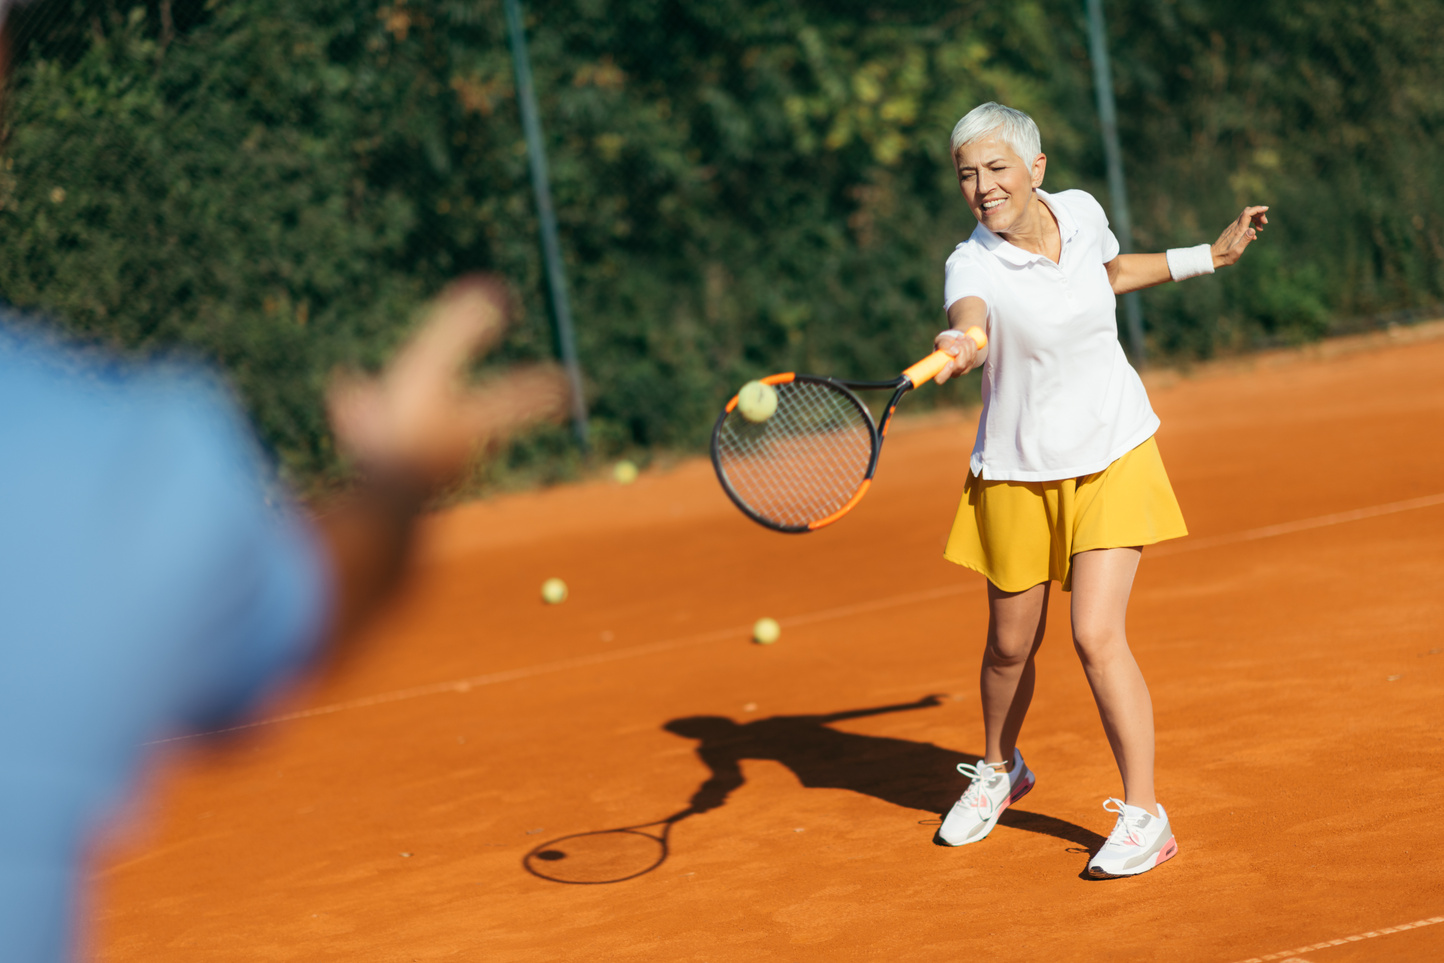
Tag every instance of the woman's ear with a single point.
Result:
(1040, 164)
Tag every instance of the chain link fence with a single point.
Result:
(741, 187)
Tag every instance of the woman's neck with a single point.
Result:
(1037, 231)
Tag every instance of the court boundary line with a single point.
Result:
(1302, 525)
(462, 686)
(1357, 937)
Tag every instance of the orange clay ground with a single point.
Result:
(1294, 645)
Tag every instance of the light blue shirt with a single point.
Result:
(148, 586)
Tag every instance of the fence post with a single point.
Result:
(1117, 190)
(546, 217)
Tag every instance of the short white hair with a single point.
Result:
(1013, 127)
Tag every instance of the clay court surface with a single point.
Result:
(1294, 646)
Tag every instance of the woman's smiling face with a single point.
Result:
(997, 183)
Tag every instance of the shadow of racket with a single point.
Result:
(605, 855)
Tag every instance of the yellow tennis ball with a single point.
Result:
(554, 591)
(624, 472)
(757, 401)
(766, 631)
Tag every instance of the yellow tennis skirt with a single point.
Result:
(1019, 534)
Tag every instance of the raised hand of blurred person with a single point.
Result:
(413, 429)
(419, 422)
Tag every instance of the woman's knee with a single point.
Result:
(1011, 649)
(1099, 642)
(1016, 621)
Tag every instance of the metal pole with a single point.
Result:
(1117, 191)
(546, 217)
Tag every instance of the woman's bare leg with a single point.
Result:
(1102, 581)
(1015, 630)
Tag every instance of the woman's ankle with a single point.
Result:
(1005, 763)
(1149, 805)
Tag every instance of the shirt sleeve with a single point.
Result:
(1107, 242)
(273, 625)
(963, 278)
(263, 571)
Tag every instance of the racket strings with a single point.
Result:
(804, 463)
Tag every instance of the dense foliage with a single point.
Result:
(742, 187)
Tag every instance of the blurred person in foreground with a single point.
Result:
(1065, 482)
(150, 583)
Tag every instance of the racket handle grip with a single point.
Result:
(930, 366)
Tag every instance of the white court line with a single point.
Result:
(1303, 525)
(734, 632)
(1372, 934)
(511, 675)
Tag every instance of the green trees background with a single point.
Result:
(742, 186)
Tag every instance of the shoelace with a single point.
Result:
(1123, 830)
(979, 775)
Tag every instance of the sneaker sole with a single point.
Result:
(1018, 793)
(1169, 850)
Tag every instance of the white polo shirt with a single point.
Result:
(1060, 399)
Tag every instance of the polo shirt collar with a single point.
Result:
(1000, 248)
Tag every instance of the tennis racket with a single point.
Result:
(605, 855)
(809, 462)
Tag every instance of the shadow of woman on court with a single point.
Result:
(913, 775)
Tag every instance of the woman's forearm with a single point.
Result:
(1134, 272)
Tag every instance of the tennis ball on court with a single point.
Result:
(757, 401)
(554, 591)
(766, 631)
(624, 472)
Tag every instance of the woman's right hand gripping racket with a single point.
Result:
(796, 452)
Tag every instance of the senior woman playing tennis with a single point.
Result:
(1065, 482)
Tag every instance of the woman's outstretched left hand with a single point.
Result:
(1240, 234)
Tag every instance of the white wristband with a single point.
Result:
(1189, 262)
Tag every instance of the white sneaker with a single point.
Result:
(1138, 843)
(991, 791)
